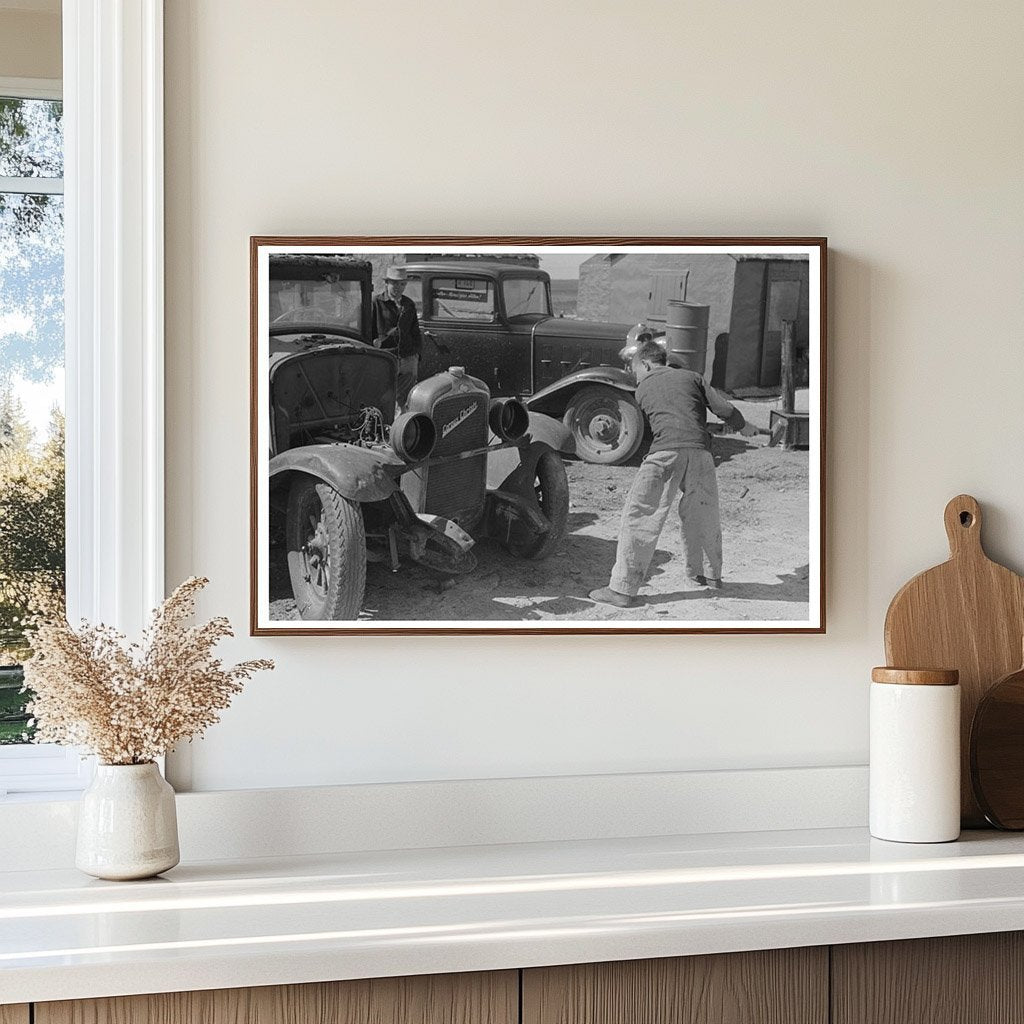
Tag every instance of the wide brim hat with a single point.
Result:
(396, 274)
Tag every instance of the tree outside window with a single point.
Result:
(32, 541)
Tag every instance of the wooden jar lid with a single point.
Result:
(916, 676)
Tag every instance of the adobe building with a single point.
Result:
(748, 298)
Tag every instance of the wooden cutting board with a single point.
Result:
(967, 614)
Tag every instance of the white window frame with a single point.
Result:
(114, 346)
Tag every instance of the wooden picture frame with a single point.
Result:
(762, 289)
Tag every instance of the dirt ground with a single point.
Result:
(765, 509)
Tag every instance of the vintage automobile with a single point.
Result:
(495, 318)
(350, 482)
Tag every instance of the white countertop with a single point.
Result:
(227, 924)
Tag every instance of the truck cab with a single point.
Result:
(496, 319)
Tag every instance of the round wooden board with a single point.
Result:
(997, 752)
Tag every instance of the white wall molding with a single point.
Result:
(31, 88)
(113, 90)
(42, 768)
(243, 824)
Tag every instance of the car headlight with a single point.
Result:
(413, 436)
(508, 418)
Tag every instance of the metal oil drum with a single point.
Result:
(686, 334)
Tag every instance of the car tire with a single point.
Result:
(606, 424)
(552, 488)
(326, 551)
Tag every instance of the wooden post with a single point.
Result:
(788, 365)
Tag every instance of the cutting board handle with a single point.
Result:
(963, 526)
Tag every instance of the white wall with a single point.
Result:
(895, 129)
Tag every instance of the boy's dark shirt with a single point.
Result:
(396, 326)
(675, 402)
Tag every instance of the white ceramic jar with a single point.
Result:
(127, 823)
(915, 755)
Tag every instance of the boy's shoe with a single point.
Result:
(605, 595)
(704, 581)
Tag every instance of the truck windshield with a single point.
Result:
(525, 295)
(324, 302)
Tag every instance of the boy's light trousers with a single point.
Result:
(662, 475)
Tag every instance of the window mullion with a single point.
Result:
(32, 186)
(113, 111)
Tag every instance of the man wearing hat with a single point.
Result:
(396, 328)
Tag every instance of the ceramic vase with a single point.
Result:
(127, 825)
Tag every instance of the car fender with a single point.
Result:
(553, 399)
(502, 462)
(552, 432)
(507, 466)
(545, 433)
(359, 474)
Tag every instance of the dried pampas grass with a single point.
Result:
(130, 703)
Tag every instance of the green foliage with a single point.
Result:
(14, 727)
(31, 525)
(15, 429)
(11, 732)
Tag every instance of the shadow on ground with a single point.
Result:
(791, 587)
(503, 588)
(723, 449)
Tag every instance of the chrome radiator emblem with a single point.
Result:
(461, 418)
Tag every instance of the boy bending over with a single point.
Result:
(675, 402)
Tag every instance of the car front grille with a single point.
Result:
(456, 490)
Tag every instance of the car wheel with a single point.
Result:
(606, 423)
(326, 551)
(551, 486)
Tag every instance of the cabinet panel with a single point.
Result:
(481, 998)
(778, 986)
(14, 1014)
(962, 979)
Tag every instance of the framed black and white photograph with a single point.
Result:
(537, 435)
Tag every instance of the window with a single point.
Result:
(331, 303)
(32, 470)
(525, 296)
(459, 298)
(112, 120)
(32, 544)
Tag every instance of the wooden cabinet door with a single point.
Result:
(14, 1014)
(481, 998)
(961, 979)
(778, 986)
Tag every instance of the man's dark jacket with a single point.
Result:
(395, 326)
